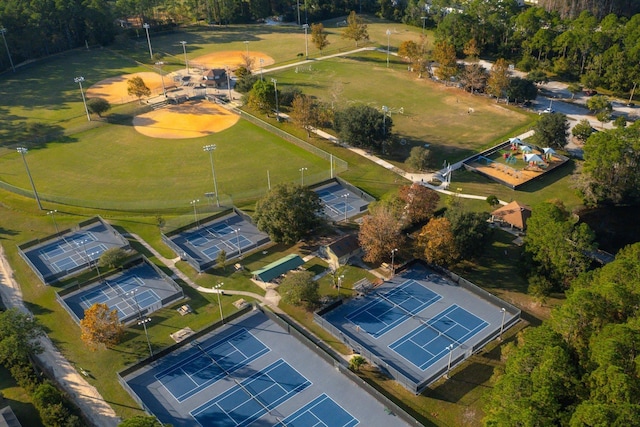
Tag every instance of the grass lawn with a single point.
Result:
(18, 399)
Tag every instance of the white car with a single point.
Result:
(547, 110)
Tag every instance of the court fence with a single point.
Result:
(201, 266)
(134, 262)
(388, 367)
(54, 277)
(329, 355)
(159, 355)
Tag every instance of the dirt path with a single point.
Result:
(84, 395)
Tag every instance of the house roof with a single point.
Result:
(277, 268)
(215, 72)
(345, 245)
(514, 213)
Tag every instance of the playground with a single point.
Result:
(514, 163)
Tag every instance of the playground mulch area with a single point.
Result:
(515, 173)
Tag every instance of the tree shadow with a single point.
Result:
(7, 232)
(459, 385)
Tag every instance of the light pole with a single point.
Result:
(210, 148)
(393, 262)
(229, 83)
(3, 31)
(184, 50)
(218, 288)
(424, 19)
(194, 203)
(450, 348)
(164, 89)
(142, 321)
(237, 231)
(340, 278)
(385, 110)
(246, 44)
(346, 196)
(275, 85)
(23, 151)
(388, 34)
(79, 80)
(306, 44)
(146, 27)
(302, 175)
(261, 66)
(504, 313)
(298, 2)
(53, 217)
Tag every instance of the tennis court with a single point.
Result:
(200, 244)
(139, 289)
(393, 307)
(414, 324)
(252, 372)
(341, 203)
(76, 250)
(432, 340)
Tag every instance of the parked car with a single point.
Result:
(547, 110)
(590, 92)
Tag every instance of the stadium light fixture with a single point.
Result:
(302, 175)
(184, 50)
(393, 261)
(146, 27)
(504, 313)
(164, 89)
(53, 217)
(23, 151)
(218, 287)
(306, 44)
(3, 31)
(142, 321)
(79, 80)
(194, 203)
(275, 85)
(210, 149)
(346, 197)
(450, 348)
(388, 34)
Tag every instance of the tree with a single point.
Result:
(437, 242)
(493, 201)
(244, 79)
(520, 90)
(289, 213)
(538, 76)
(601, 107)
(498, 81)
(262, 96)
(101, 326)
(471, 231)
(221, 259)
(304, 113)
(420, 203)
(98, 106)
(415, 53)
(113, 257)
(444, 53)
(574, 88)
(319, 37)
(19, 335)
(474, 78)
(136, 87)
(141, 421)
(557, 243)
(357, 362)
(363, 126)
(419, 158)
(611, 173)
(380, 233)
(582, 130)
(356, 29)
(471, 49)
(299, 288)
(551, 130)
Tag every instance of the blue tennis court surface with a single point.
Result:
(415, 324)
(321, 412)
(340, 203)
(140, 288)
(430, 341)
(201, 245)
(392, 308)
(252, 372)
(204, 366)
(71, 251)
(250, 399)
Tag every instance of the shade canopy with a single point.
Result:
(533, 158)
(525, 149)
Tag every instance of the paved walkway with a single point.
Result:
(84, 395)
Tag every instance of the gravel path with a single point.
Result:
(84, 395)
